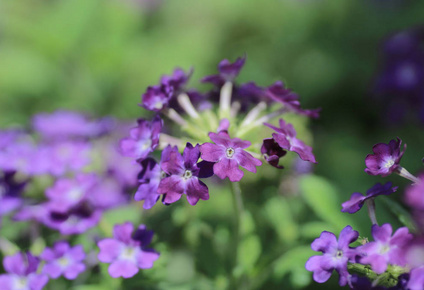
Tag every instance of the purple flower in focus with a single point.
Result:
(357, 200)
(10, 193)
(21, 274)
(278, 93)
(228, 154)
(63, 260)
(336, 255)
(184, 173)
(227, 72)
(286, 138)
(272, 152)
(143, 139)
(126, 252)
(386, 158)
(385, 249)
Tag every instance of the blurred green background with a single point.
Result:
(99, 56)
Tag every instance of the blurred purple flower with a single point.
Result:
(385, 249)
(414, 195)
(149, 178)
(336, 255)
(22, 273)
(10, 193)
(126, 251)
(227, 72)
(228, 154)
(386, 158)
(63, 260)
(286, 139)
(357, 200)
(416, 279)
(143, 139)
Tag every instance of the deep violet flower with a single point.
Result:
(63, 260)
(22, 273)
(385, 249)
(143, 139)
(285, 136)
(336, 255)
(126, 251)
(183, 177)
(10, 193)
(228, 154)
(386, 158)
(272, 152)
(227, 72)
(357, 200)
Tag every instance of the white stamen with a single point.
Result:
(225, 100)
(235, 108)
(186, 104)
(174, 116)
(165, 140)
(253, 114)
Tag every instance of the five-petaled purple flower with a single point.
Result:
(336, 255)
(127, 251)
(357, 200)
(143, 139)
(63, 260)
(285, 136)
(228, 154)
(184, 173)
(22, 273)
(385, 249)
(385, 159)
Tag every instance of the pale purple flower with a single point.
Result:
(386, 158)
(184, 173)
(357, 200)
(22, 274)
(336, 255)
(126, 251)
(228, 154)
(143, 139)
(107, 193)
(285, 136)
(227, 72)
(385, 249)
(64, 260)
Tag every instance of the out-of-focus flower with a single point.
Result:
(227, 72)
(285, 136)
(64, 260)
(357, 200)
(21, 274)
(416, 279)
(336, 255)
(228, 154)
(386, 158)
(414, 195)
(10, 193)
(386, 249)
(126, 251)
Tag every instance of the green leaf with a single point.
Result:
(312, 230)
(401, 213)
(293, 258)
(249, 251)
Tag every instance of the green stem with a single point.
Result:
(238, 214)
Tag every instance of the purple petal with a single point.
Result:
(109, 250)
(246, 160)
(347, 236)
(123, 232)
(73, 271)
(145, 259)
(325, 242)
(228, 167)
(212, 152)
(354, 204)
(196, 190)
(122, 268)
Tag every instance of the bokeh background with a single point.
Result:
(98, 57)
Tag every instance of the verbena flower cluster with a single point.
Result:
(67, 170)
(393, 259)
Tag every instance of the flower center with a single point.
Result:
(389, 163)
(128, 253)
(20, 283)
(384, 249)
(145, 144)
(187, 174)
(75, 194)
(230, 152)
(162, 174)
(339, 254)
(63, 261)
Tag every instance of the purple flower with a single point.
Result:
(227, 72)
(63, 260)
(183, 177)
(127, 251)
(155, 99)
(10, 193)
(357, 200)
(414, 195)
(149, 178)
(278, 93)
(385, 159)
(228, 154)
(286, 138)
(143, 139)
(336, 255)
(67, 124)
(272, 152)
(22, 273)
(416, 279)
(385, 249)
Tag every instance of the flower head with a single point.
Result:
(357, 200)
(228, 154)
(385, 249)
(126, 251)
(386, 158)
(285, 136)
(64, 260)
(336, 255)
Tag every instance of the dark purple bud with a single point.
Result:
(272, 152)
